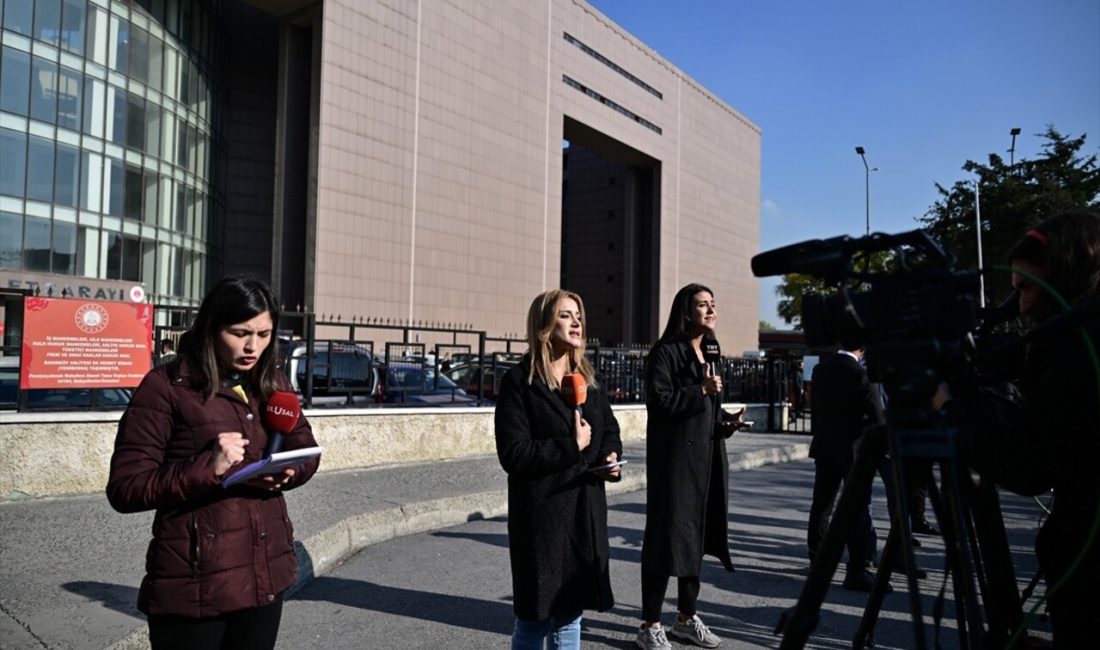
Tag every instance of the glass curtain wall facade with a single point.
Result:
(110, 141)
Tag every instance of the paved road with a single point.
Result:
(451, 588)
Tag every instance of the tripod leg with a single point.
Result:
(865, 635)
(1001, 596)
(951, 517)
(798, 623)
(900, 452)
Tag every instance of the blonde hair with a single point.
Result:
(541, 318)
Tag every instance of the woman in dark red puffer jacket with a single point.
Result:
(220, 559)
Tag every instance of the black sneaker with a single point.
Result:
(862, 582)
(925, 527)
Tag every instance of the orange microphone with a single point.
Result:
(574, 390)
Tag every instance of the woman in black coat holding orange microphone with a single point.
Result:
(553, 454)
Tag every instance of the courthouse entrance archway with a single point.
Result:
(610, 219)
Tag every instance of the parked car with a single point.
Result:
(57, 399)
(349, 368)
(414, 383)
(471, 374)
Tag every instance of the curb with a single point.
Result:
(322, 551)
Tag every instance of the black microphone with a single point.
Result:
(712, 353)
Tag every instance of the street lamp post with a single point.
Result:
(867, 184)
(978, 230)
(1012, 150)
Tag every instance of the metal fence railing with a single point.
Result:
(377, 363)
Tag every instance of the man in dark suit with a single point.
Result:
(844, 402)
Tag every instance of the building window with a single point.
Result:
(132, 189)
(131, 259)
(72, 26)
(614, 66)
(66, 182)
(15, 80)
(17, 16)
(11, 240)
(70, 83)
(47, 20)
(36, 245)
(611, 104)
(40, 169)
(43, 90)
(13, 173)
(64, 248)
(135, 122)
(146, 101)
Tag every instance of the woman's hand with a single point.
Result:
(582, 431)
(614, 472)
(712, 384)
(272, 482)
(730, 424)
(230, 451)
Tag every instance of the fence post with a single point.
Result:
(770, 382)
(311, 337)
(481, 368)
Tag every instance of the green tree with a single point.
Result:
(1014, 197)
(765, 326)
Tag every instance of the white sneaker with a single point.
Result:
(695, 631)
(652, 638)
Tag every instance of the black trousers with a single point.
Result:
(249, 629)
(861, 540)
(654, 586)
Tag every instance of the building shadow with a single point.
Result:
(120, 598)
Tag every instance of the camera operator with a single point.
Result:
(844, 402)
(1051, 438)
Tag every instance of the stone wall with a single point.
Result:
(56, 454)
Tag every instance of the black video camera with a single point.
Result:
(916, 320)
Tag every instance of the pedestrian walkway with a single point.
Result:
(70, 567)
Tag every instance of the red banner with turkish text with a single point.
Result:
(85, 343)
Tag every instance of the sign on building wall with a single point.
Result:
(85, 343)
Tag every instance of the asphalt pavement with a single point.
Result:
(452, 588)
(70, 567)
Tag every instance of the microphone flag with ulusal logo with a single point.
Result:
(574, 390)
(280, 417)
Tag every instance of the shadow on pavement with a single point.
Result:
(121, 598)
(471, 613)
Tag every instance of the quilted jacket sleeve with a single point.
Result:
(140, 478)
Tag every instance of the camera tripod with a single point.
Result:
(974, 539)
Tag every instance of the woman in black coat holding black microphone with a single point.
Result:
(687, 470)
(555, 455)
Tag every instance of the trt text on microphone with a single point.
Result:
(712, 353)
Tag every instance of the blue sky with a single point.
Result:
(922, 85)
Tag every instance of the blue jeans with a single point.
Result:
(556, 632)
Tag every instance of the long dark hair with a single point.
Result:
(1067, 246)
(678, 327)
(234, 299)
